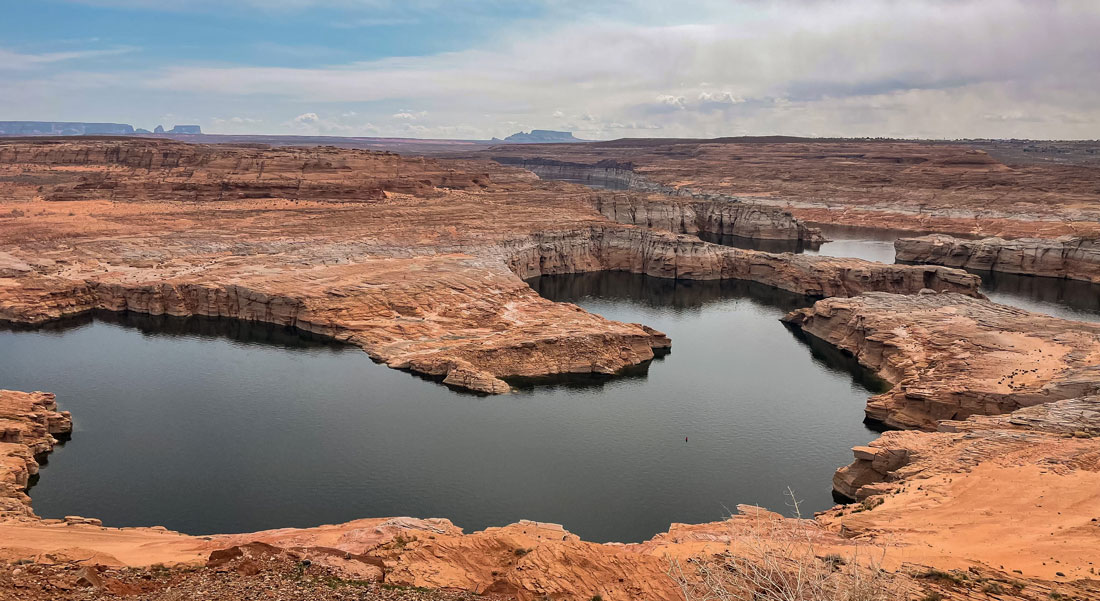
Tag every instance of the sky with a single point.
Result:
(604, 69)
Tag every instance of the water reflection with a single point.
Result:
(770, 246)
(1068, 299)
(663, 292)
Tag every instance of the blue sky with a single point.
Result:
(604, 69)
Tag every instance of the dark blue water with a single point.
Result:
(206, 425)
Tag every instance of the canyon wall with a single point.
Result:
(664, 255)
(712, 213)
(713, 217)
(1064, 257)
(29, 422)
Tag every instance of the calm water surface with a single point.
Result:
(206, 425)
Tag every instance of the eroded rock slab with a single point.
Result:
(1020, 490)
(950, 356)
(29, 425)
(1065, 257)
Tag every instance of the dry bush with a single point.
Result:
(777, 560)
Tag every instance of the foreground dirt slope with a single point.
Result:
(918, 186)
(1018, 491)
(412, 259)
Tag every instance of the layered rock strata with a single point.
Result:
(712, 213)
(723, 218)
(662, 255)
(1064, 257)
(29, 426)
(957, 188)
(950, 356)
(417, 270)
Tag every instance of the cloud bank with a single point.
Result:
(923, 68)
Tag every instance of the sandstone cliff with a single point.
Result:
(659, 254)
(29, 423)
(907, 185)
(724, 218)
(950, 356)
(1065, 257)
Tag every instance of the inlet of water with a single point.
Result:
(210, 425)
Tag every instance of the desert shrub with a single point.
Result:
(777, 560)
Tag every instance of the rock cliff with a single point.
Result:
(29, 425)
(747, 220)
(659, 254)
(950, 356)
(1064, 257)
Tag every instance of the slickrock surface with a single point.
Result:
(29, 423)
(1020, 491)
(1063, 257)
(949, 356)
(412, 259)
(916, 186)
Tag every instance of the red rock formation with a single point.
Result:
(907, 185)
(423, 279)
(1064, 257)
(950, 357)
(29, 423)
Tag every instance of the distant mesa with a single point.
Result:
(78, 128)
(63, 128)
(540, 136)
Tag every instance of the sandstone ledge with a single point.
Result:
(950, 356)
(29, 423)
(1064, 257)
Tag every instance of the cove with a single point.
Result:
(213, 425)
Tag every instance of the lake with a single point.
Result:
(215, 425)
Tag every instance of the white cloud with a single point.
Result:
(10, 60)
(862, 67)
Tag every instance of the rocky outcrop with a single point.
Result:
(950, 357)
(960, 445)
(917, 186)
(746, 220)
(1064, 257)
(1014, 489)
(29, 425)
(681, 257)
(711, 213)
